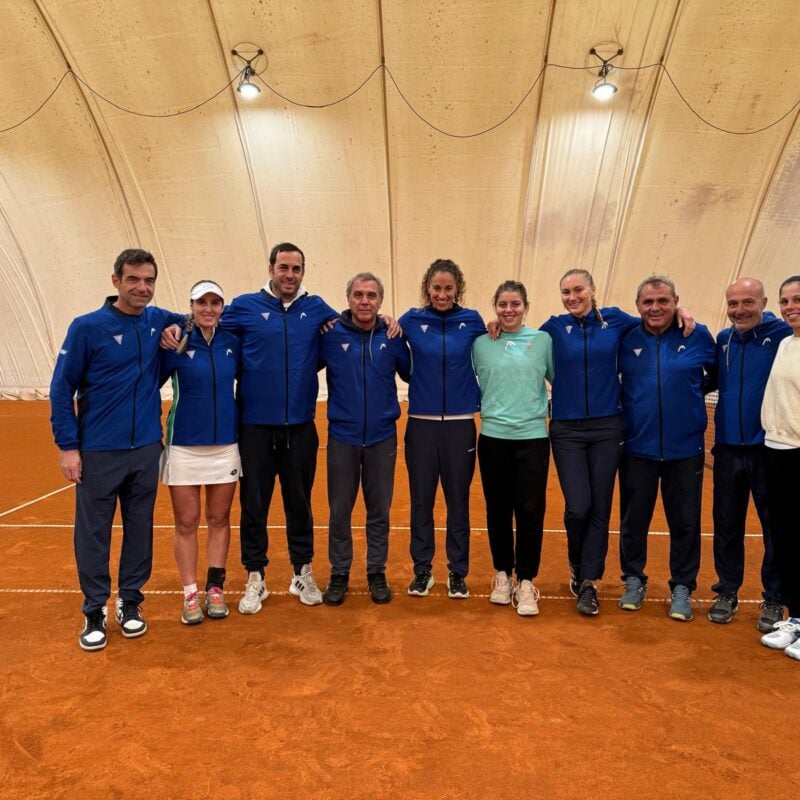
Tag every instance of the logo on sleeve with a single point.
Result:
(118, 338)
(345, 346)
(638, 351)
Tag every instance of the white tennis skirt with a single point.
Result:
(200, 465)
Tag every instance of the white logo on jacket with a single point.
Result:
(345, 346)
(638, 351)
(303, 315)
(265, 315)
(190, 353)
(682, 347)
(569, 328)
(725, 348)
(152, 331)
(766, 341)
(509, 345)
(462, 325)
(383, 346)
(229, 352)
(118, 338)
(62, 352)
(424, 328)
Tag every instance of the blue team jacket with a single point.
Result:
(278, 382)
(664, 380)
(111, 361)
(362, 393)
(586, 378)
(744, 361)
(203, 402)
(443, 380)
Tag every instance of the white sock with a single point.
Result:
(189, 590)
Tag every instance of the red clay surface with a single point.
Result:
(429, 697)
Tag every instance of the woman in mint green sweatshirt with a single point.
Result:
(513, 448)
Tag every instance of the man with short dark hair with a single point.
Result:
(110, 448)
(745, 352)
(361, 362)
(280, 330)
(664, 380)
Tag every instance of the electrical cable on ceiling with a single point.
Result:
(402, 95)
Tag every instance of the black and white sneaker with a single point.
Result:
(587, 599)
(457, 587)
(421, 585)
(93, 635)
(129, 618)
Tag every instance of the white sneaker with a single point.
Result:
(255, 591)
(786, 633)
(793, 650)
(501, 589)
(305, 587)
(526, 599)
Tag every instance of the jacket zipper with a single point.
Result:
(364, 384)
(444, 368)
(741, 391)
(136, 385)
(585, 366)
(213, 385)
(660, 406)
(286, 366)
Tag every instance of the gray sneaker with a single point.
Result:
(634, 594)
(771, 613)
(681, 606)
(723, 608)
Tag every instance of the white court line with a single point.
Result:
(37, 499)
(442, 594)
(316, 527)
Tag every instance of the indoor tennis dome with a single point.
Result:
(388, 133)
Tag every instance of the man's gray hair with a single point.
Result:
(364, 276)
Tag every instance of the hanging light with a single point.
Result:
(603, 88)
(247, 86)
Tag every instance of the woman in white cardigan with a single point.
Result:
(780, 418)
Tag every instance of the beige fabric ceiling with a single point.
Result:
(624, 188)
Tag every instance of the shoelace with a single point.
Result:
(680, 593)
(787, 626)
(587, 594)
(215, 596)
(504, 584)
(192, 601)
(308, 581)
(252, 590)
(524, 593)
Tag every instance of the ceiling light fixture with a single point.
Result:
(603, 88)
(247, 88)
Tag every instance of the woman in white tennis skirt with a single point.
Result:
(201, 449)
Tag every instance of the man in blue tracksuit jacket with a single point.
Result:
(664, 380)
(279, 327)
(111, 446)
(361, 363)
(745, 352)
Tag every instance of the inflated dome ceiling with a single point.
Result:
(662, 178)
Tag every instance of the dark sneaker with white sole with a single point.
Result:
(129, 618)
(93, 635)
(587, 600)
(421, 585)
(457, 587)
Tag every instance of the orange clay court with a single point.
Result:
(423, 698)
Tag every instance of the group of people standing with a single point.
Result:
(627, 398)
